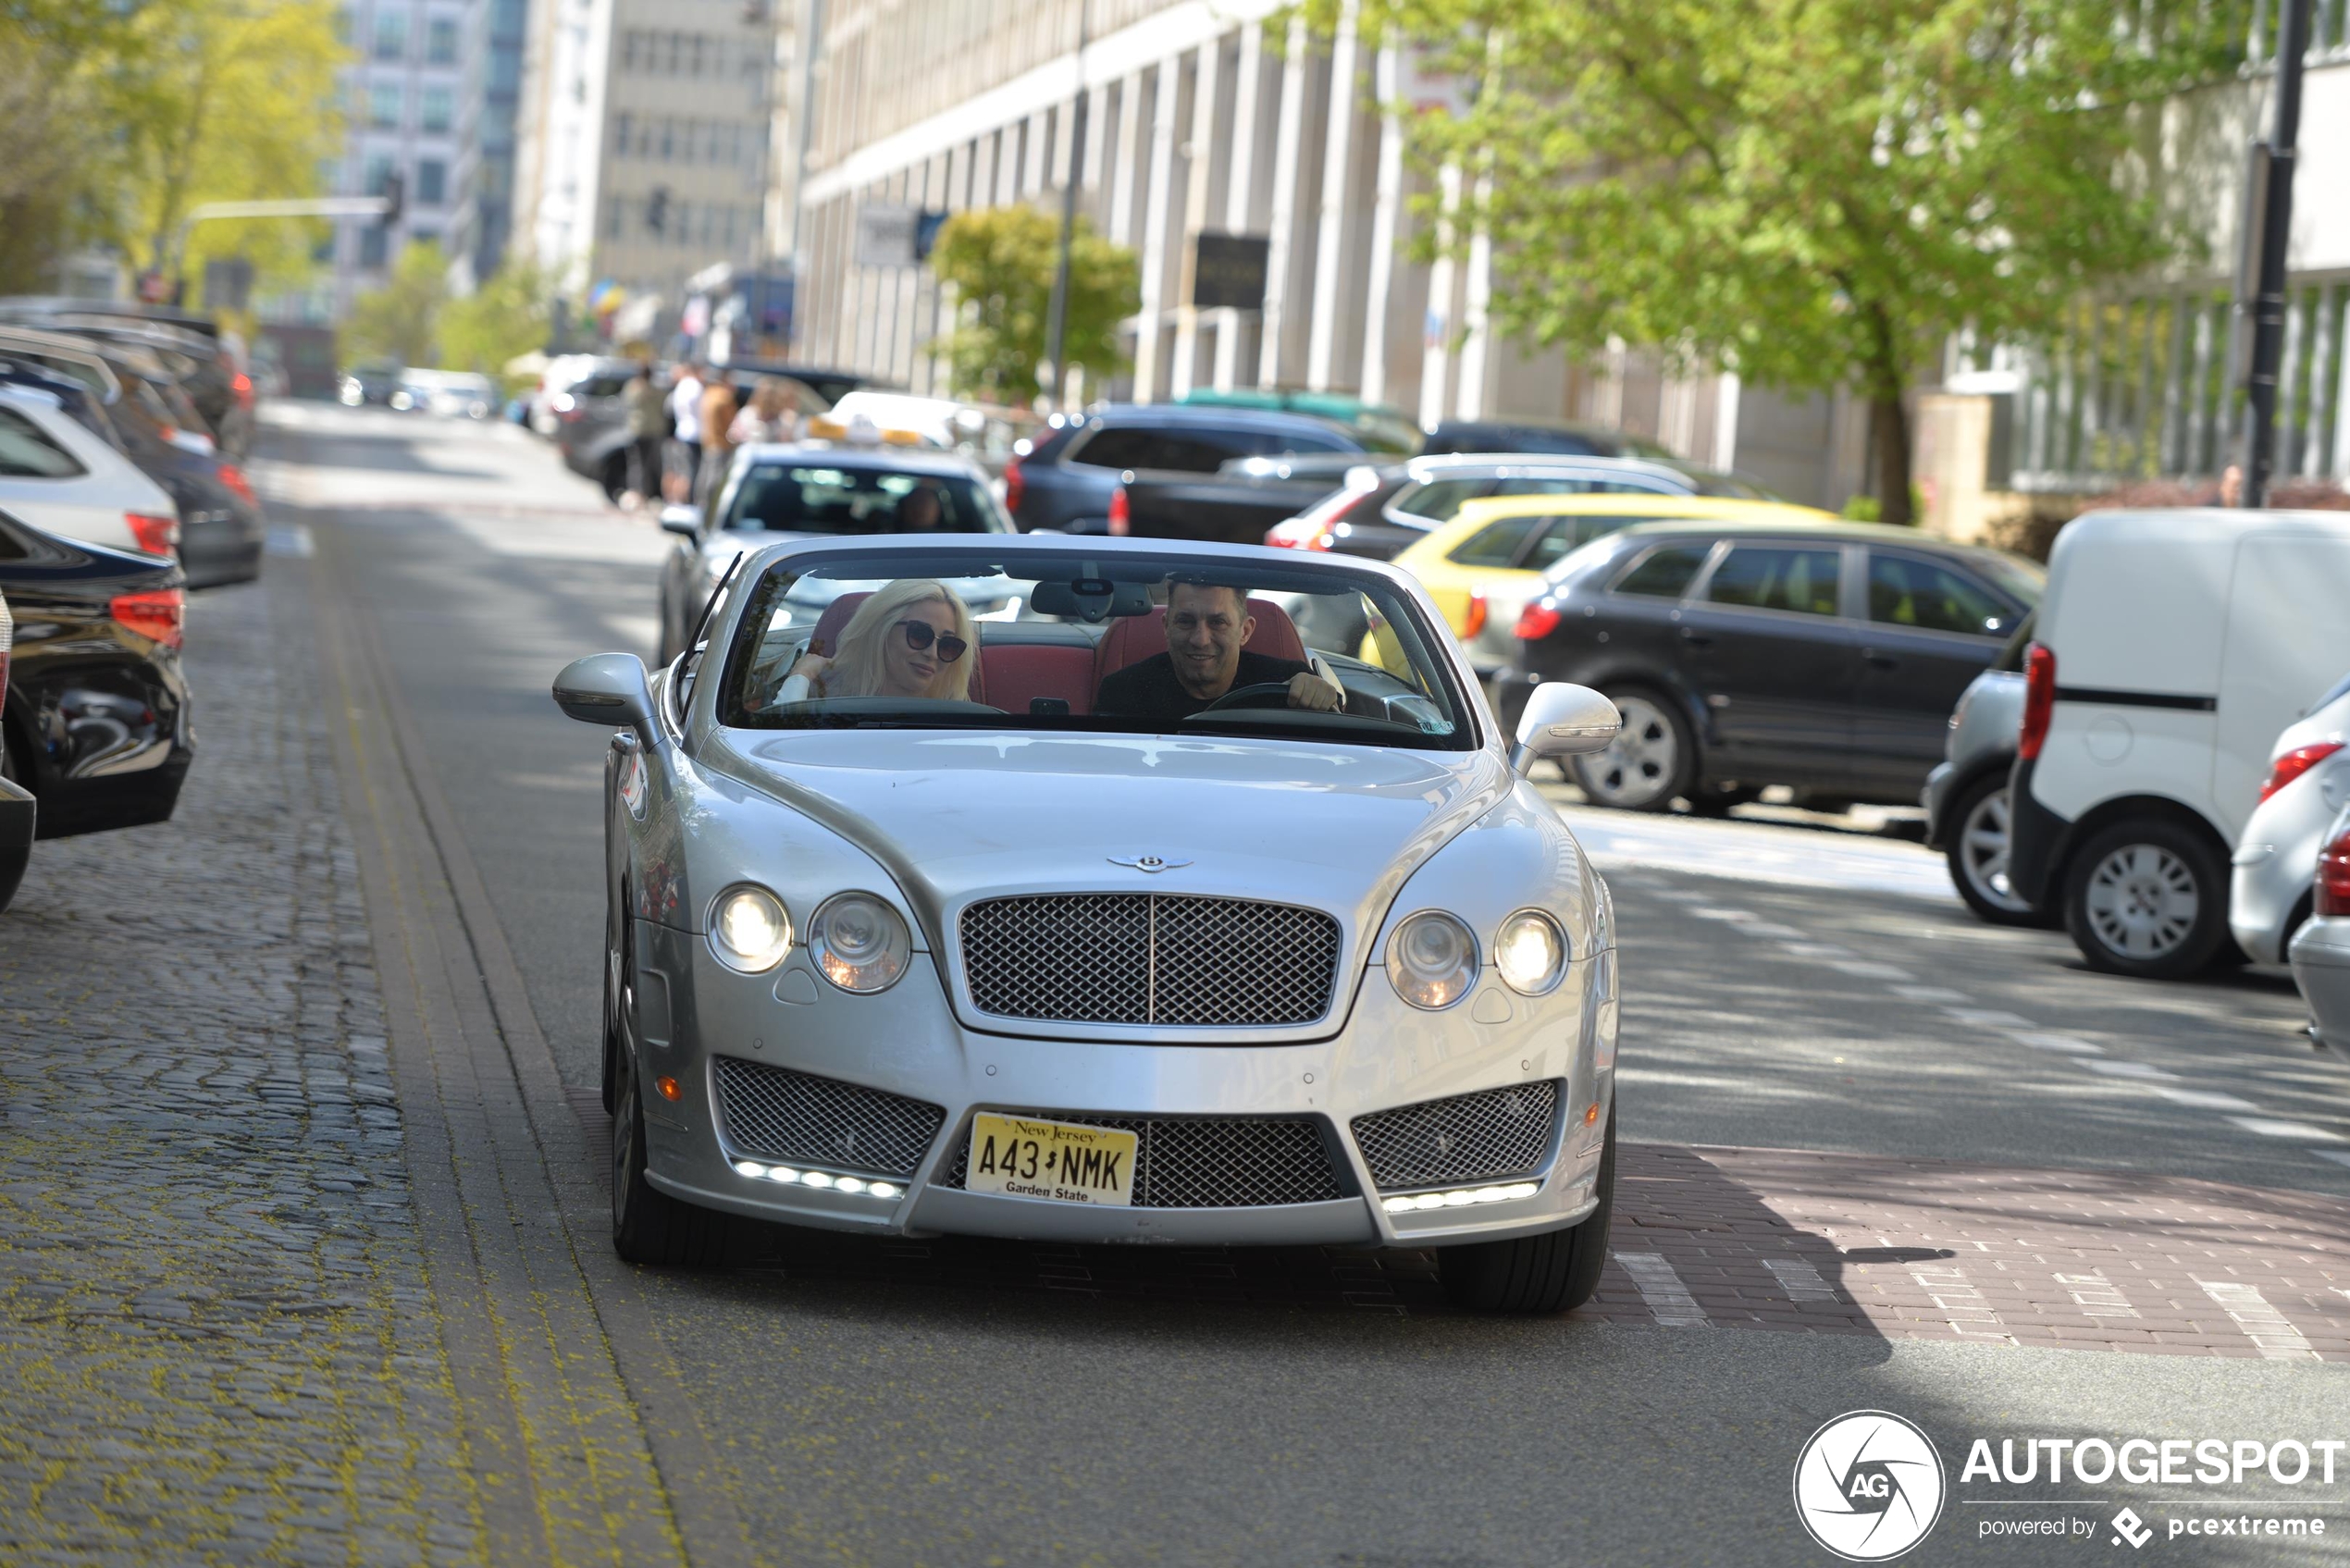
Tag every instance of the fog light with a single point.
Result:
(1460, 1197)
(783, 1173)
(749, 1168)
(849, 1184)
(884, 1190)
(816, 1178)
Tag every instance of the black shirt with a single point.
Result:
(1147, 689)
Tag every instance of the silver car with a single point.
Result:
(1062, 943)
(2269, 892)
(2319, 950)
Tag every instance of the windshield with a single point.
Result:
(815, 496)
(1154, 644)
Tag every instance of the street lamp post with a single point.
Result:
(1056, 313)
(2272, 165)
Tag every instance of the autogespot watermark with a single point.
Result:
(1870, 1485)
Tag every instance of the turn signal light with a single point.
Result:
(1591, 1114)
(1121, 513)
(1537, 620)
(668, 1087)
(2332, 893)
(156, 536)
(2039, 701)
(234, 477)
(157, 613)
(2294, 763)
(1478, 610)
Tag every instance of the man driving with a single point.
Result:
(1206, 624)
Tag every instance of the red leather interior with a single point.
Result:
(1135, 638)
(823, 641)
(1019, 672)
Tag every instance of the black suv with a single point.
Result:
(1826, 656)
(1066, 482)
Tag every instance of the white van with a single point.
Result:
(2172, 649)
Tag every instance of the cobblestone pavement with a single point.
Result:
(217, 1344)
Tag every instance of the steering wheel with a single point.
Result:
(1233, 697)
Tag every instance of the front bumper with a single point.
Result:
(1934, 798)
(908, 1041)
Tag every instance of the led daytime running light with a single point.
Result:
(1460, 1197)
(791, 1176)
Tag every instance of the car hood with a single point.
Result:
(957, 816)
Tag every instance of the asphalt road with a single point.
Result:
(1788, 986)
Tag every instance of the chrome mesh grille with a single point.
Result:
(797, 1116)
(1480, 1137)
(1147, 957)
(1211, 1162)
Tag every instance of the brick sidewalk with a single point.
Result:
(1924, 1249)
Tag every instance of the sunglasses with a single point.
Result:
(919, 635)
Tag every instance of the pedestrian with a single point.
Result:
(718, 410)
(769, 417)
(646, 422)
(684, 412)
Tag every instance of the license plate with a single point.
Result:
(1067, 1162)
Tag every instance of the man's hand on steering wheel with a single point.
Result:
(1310, 690)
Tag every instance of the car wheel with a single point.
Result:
(1977, 852)
(618, 972)
(649, 1226)
(1553, 1272)
(2147, 898)
(1649, 761)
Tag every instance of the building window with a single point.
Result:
(432, 181)
(387, 101)
(668, 140)
(629, 43)
(391, 33)
(440, 42)
(439, 109)
(620, 128)
(423, 237)
(371, 246)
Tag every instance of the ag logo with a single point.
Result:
(1868, 1486)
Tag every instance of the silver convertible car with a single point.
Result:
(1029, 887)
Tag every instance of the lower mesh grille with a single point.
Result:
(1211, 1162)
(797, 1116)
(1480, 1137)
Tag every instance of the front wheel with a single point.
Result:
(1651, 761)
(2147, 898)
(1553, 1272)
(1977, 853)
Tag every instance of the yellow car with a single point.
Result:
(1484, 565)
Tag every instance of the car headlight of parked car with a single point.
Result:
(1431, 960)
(748, 930)
(1531, 952)
(859, 943)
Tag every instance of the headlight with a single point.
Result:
(1431, 959)
(748, 931)
(859, 943)
(1531, 952)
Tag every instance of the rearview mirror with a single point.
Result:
(681, 519)
(1564, 720)
(608, 689)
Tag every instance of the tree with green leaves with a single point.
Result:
(1811, 192)
(1001, 262)
(402, 321)
(506, 317)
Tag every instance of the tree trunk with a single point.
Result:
(1889, 441)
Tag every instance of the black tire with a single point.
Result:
(649, 1226)
(1652, 762)
(2147, 898)
(619, 968)
(1977, 854)
(1556, 1271)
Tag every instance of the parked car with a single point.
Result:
(1966, 795)
(1380, 511)
(1561, 437)
(1485, 565)
(209, 363)
(95, 723)
(1065, 481)
(784, 491)
(57, 476)
(1823, 655)
(827, 381)
(2271, 891)
(2172, 646)
(1380, 428)
(2319, 950)
(19, 813)
(222, 525)
(824, 912)
(371, 383)
(449, 394)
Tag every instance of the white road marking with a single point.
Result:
(1768, 928)
(2268, 1329)
(2338, 1158)
(1661, 1289)
(1948, 1287)
(2071, 1045)
(2097, 1296)
(2131, 1069)
(1930, 993)
(1869, 968)
(1820, 950)
(1715, 912)
(2273, 1127)
(1799, 1280)
(2208, 1100)
(1990, 1017)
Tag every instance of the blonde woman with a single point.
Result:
(913, 639)
(769, 417)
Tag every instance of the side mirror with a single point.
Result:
(608, 689)
(1564, 720)
(681, 519)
